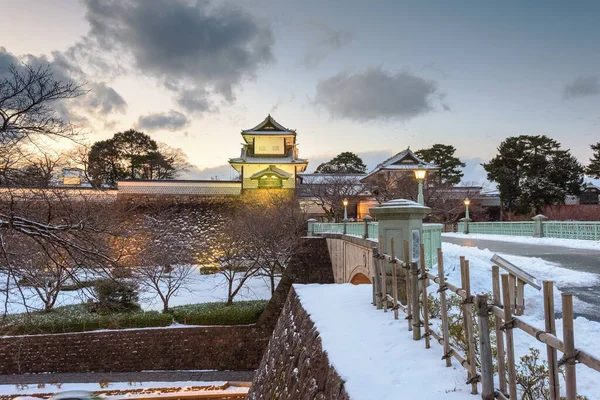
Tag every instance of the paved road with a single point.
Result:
(574, 259)
(147, 376)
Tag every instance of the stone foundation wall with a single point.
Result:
(213, 347)
(295, 366)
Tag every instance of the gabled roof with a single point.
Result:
(268, 126)
(272, 170)
(404, 161)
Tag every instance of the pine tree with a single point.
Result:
(449, 166)
(593, 169)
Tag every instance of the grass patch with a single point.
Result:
(77, 318)
(239, 313)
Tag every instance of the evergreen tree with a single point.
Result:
(593, 169)
(443, 156)
(532, 171)
(344, 163)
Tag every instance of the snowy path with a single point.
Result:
(577, 260)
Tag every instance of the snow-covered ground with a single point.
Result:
(202, 289)
(572, 243)
(373, 353)
(586, 331)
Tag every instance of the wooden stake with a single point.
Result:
(569, 343)
(468, 322)
(423, 279)
(550, 327)
(510, 346)
(377, 278)
(407, 276)
(500, 356)
(383, 269)
(520, 298)
(394, 281)
(414, 291)
(445, 330)
(485, 349)
(512, 283)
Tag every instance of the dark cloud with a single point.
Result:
(171, 121)
(582, 87)
(100, 100)
(104, 99)
(377, 94)
(194, 48)
(325, 40)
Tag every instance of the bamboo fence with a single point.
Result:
(507, 288)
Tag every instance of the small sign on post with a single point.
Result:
(416, 246)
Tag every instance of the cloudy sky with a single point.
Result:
(368, 77)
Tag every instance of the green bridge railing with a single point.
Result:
(431, 235)
(582, 230)
(520, 228)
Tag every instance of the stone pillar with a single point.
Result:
(311, 227)
(402, 220)
(367, 219)
(538, 225)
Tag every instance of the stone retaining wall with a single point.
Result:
(192, 348)
(294, 365)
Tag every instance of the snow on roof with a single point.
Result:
(268, 126)
(268, 160)
(374, 354)
(327, 178)
(272, 169)
(404, 161)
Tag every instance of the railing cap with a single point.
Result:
(540, 217)
(311, 220)
(367, 218)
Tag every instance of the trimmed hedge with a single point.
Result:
(77, 318)
(239, 313)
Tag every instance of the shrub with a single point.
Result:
(115, 296)
(77, 318)
(239, 313)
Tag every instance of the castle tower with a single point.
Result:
(269, 158)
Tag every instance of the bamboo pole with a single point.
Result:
(394, 281)
(414, 292)
(510, 349)
(485, 349)
(569, 342)
(501, 358)
(443, 305)
(467, 309)
(550, 327)
(459, 291)
(512, 283)
(400, 306)
(451, 353)
(377, 278)
(383, 269)
(409, 315)
(424, 300)
(551, 340)
(520, 297)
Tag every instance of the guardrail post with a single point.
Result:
(367, 219)
(311, 226)
(466, 222)
(538, 225)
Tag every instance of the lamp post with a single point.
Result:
(466, 219)
(420, 175)
(345, 203)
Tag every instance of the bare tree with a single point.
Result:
(328, 191)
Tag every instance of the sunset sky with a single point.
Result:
(371, 77)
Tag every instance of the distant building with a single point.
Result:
(269, 157)
(73, 177)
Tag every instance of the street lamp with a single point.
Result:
(466, 219)
(467, 204)
(420, 175)
(345, 203)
